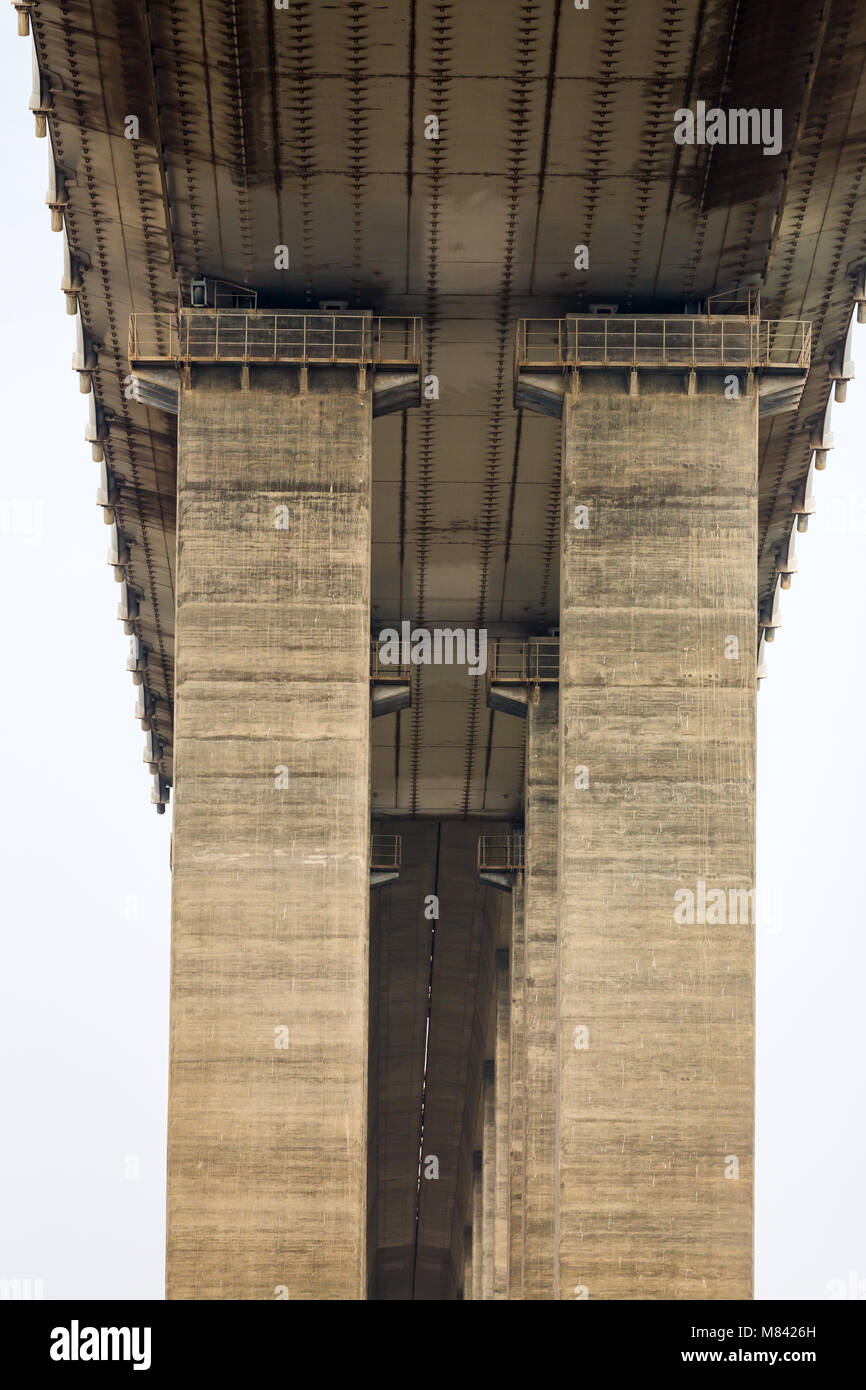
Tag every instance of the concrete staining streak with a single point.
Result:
(267, 1129)
(655, 1143)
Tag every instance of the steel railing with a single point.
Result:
(515, 662)
(153, 337)
(742, 300)
(385, 851)
(784, 343)
(255, 335)
(502, 853)
(382, 671)
(690, 342)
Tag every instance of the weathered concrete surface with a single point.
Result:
(477, 1224)
(465, 1292)
(501, 1099)
(652, 1112)
(400, 951)
(267, 1145)
(417, 1236)
(467, 931)
(376, 1045)
(541, 919)
(517, 1093)
(488, 1182)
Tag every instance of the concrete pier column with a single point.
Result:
(657, 691)
(517, 1094)
(502, 1096)
(467, 1263)
(541, 921)
(488, 1182)
(477, 1224)
(267, 1107)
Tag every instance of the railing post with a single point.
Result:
(217, 335)
(333, 337)
(246, 337)
(693, 343)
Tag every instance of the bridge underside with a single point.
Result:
(260, 129)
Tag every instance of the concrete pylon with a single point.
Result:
(488, 1182)
(531, 1152)
(477, 1224)
(267, 1106)
(541, 921)
(517, 1093)
(502, 1104)
(467, 1264)
(657, 767)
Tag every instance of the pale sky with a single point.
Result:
(84, 949)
